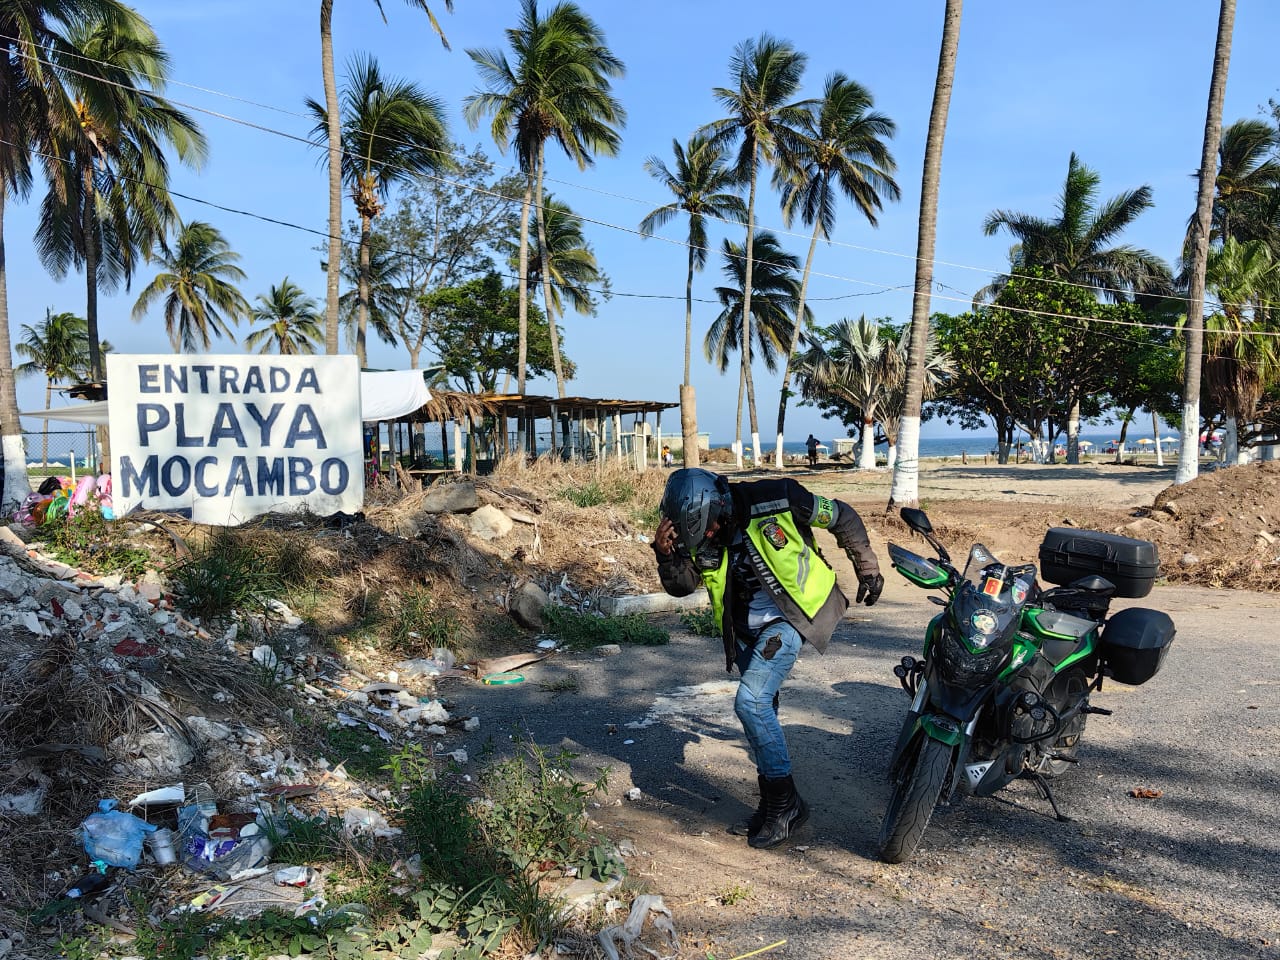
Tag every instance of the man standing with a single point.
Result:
(752, 545)
(811, 445)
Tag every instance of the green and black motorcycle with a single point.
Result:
(1002, 691)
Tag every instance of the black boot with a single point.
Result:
(752, 824)
(784, 812)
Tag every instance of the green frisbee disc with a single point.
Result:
(502, 679)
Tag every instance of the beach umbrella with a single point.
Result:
(1085, 443)
(1146, 442)
(1170, 439)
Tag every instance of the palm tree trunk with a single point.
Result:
(1073, 432)
(737, 439)
(362, 293)
(795, 344)
(905, 490)
(89, 219)
(867, 451)
(688, 403)
(16, 486)
(745, 346)
(1124, 433)
(1188, 456)
(334, 264)
(546, 280)
(523, 355)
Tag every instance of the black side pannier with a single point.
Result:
(1135, 643)
(1067, 554)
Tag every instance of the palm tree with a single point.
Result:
(767, 74)
(905, 489)
(392, 132)
(57, 348)
(840, 148)
(109, 203)
(853, 363)
(1241, 355)
(555, 86)
(333, 134)
(1188, 455)
(382, 267)
(703, 187)
(197, 282)
(1248, 183)
(567, 268)
(773, 309)
(938, 366)
(1077, 246)
(292, 322)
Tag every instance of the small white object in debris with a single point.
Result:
(458, 756)
(433, 711)
(546, 644)
(264, 655)
(609, 649)
(436, 730)
(393, 677)
(633, 793)
(627, 743)
(471, 724)
(642, 538)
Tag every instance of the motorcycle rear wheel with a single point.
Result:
(911, 804)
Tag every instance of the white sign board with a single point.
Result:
(226, 438)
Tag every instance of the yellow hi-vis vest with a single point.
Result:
(797, 568)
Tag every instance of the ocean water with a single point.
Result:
(973, 444)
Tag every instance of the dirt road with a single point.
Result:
(1191, 874)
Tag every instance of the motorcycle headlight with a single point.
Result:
(982, 628)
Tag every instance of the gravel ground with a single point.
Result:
(1191, 874)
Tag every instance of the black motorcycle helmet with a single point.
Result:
(693, 500)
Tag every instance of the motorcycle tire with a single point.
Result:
(1064, 692)
(915, 794)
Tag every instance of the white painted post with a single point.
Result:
(617, 435)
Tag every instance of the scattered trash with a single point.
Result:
(114, 837)
(609, 649)
(505, 664)
(547, 644)
(294, 876)
(358, 821)
(433, 711)
(88, 885)
(293, 791)
(264, 655)
(129, 647)
(627, 934)
(471, 724)
(1146, 793)
(349, 721)
(161, 796)
(627, 743)
(160, 843)
(502, 679)
(634, 793)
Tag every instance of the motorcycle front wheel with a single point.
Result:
(915, 794)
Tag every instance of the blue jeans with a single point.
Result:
(763, 669)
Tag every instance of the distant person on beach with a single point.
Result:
(752, 545)
(812, 446)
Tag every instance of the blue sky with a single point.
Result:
(1122, 84)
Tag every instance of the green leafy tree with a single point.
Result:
(566, 267)
(475, 330)
(392, 131)
(556, 85)
(840, 150)
(703, 188)
(108, 206)
(1079, 248)
(58, 349)
(333, 135)
(444, 231)
(291, 321)
(197, 285)
(383, 269)
(766, 73)
(775, 294)
(1246, 202)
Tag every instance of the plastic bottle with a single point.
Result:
(114, 837)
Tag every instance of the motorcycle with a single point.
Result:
(1002, 690)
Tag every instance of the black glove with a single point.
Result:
(869, 589)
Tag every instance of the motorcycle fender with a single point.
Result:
(942, 729)
(905, 736)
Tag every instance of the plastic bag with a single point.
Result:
(113, 836)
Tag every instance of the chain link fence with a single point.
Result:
(65, 452)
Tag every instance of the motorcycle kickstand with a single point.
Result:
(1042, 787)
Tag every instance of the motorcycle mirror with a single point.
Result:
(917, 520)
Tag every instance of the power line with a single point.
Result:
(455, 154)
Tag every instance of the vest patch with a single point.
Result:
(774, 533)
(823, 512)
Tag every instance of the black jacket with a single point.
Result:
(680, 578)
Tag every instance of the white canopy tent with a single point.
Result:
(385, 395)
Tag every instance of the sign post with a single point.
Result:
(222, 439)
